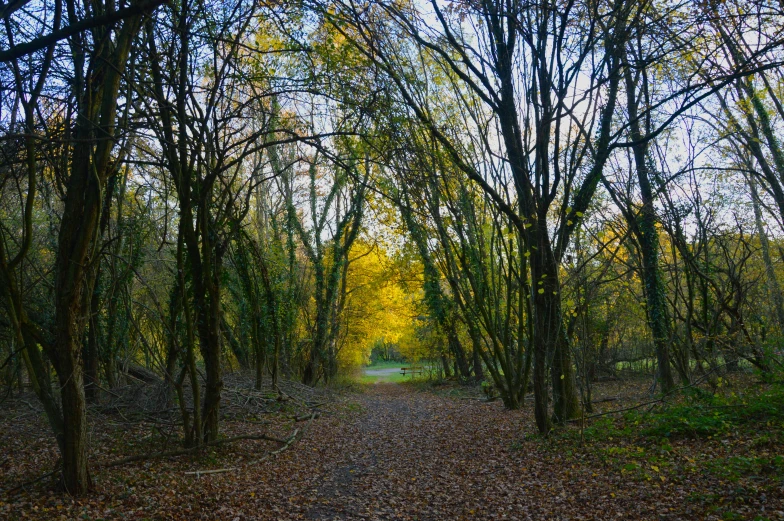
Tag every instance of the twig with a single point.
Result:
(94, 384)
(182, 452)
(200, 473)
(31, 482)
(655, 402)
(289, 441)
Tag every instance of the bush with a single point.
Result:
(711, 415)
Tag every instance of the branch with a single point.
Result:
(182, 452)
(42, 42)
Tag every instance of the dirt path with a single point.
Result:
(380, 441)
(392, 453)
(418, 456)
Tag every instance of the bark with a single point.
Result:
(648, 237)
(549, 339)
(329, 276)
(479, 373)
(91, 348)
(192, 437)
(445, 364)
(773, 288)
(209, 316)
(173, 351)
(243, 359)
(437, 303)
(76, 248)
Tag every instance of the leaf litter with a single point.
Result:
(395, 452)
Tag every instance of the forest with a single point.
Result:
(392, 259)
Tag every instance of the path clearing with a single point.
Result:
(416, 455)
(393, 453)
(381, 372)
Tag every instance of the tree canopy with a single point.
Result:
(524, 193)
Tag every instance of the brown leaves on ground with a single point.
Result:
(395, 453)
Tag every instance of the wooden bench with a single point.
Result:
(410, 370)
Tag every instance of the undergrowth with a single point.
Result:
(705, 414)
(729, 440)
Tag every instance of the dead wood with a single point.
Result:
(200, 473)
(182, 452)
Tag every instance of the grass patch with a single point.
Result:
(390, 373)
(388, 378)
(732, 439)
(707, 415)
(387, 365)
(700, 415)
(736, 467)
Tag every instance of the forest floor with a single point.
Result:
(419, 452)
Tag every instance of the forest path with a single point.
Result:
(413, 455)
(381, 372)
(395, 453)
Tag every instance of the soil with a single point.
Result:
(395, 452)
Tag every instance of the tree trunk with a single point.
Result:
(76, 249)
(648, 236)
(479, 373)
(549, 338)
(91, 348)
(76, 477)
(773, 288)
(445, 365)
(210, 346)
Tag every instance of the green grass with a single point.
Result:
(706, 415)
(391, 378)
(648, 365)
(394, 377)
(387, 365)
(692, 438)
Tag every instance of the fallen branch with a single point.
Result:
(31, 482)
(182, 452)
(287, 396)
(287, 444)
(609, 399)
(289, 441)
(200, 473)
(94, 384)
(652, 403)
(615, 411)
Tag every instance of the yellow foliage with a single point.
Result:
(377, 307)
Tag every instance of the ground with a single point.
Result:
(389, 372)
(405, 452)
